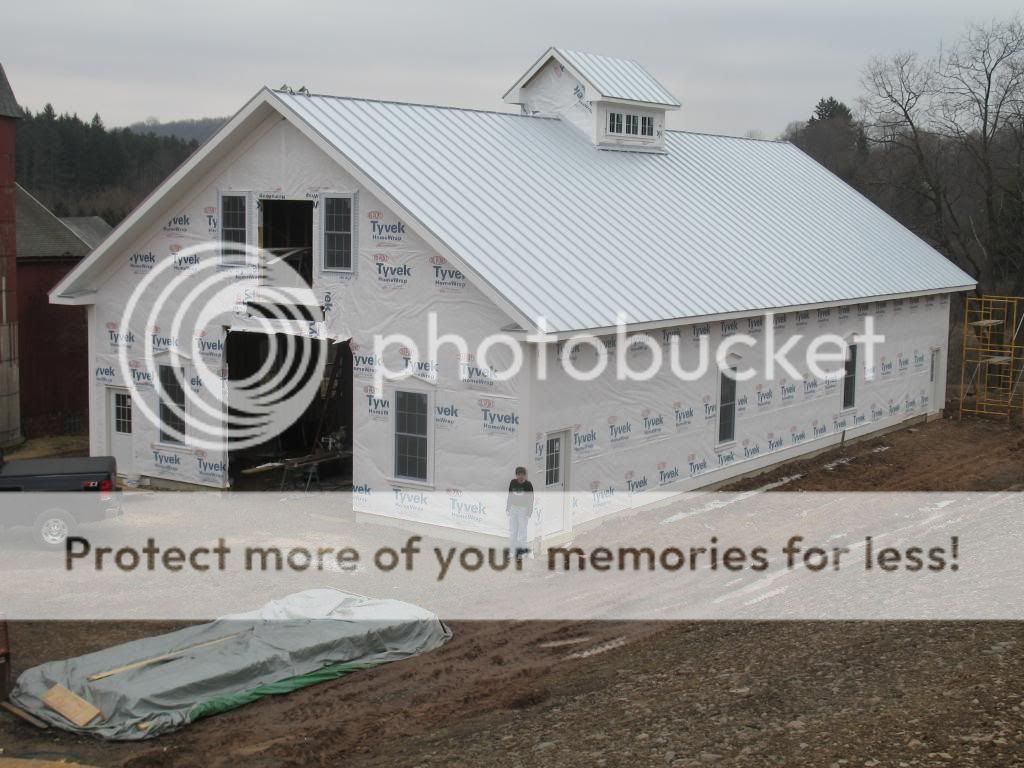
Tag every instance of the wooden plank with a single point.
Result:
(70, 706)
(155, 659)
(19, 712)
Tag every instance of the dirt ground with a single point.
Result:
(638, 694)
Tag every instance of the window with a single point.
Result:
(553, 462)
(646, 126)
(614, 122)
(232, 229)
(632, 127)
(123, 413)
(850, 377)
(338, 233)
(172, 405)
(411, 440)
(727, 406)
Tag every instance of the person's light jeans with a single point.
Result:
(518, 520)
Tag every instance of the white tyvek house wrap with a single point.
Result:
(630, 439)
(396, 281)
(555, 91)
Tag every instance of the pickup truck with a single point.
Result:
(53, 518)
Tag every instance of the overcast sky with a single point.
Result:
(735, 66)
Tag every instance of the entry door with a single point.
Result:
(556, 463)
(935, 373)
(119, 428)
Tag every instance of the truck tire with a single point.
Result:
(53, 527)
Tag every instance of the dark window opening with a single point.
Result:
(850, 377)
(411, 440)
(727, 407)
(286, 230)
(172, 405)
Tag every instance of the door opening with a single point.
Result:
(555, 507)
(286, 229)
(119, 429)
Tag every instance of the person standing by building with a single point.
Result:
(519, 508)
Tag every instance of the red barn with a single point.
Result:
(10, 419)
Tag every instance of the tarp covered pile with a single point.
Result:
(153, 686)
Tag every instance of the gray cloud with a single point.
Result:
(736, 66)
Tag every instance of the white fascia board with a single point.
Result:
(653, 325)
(68, 290)
(403, 213)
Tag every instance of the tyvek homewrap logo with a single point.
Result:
(603, 495)
(378, 407)
(910, 405)
(140, 263)
(810, 387)
(902, 363)
(877, 412)
(698, 331)
(178, 224)
(391, 275)
(119, 339)
(818, 429)
(584, 441)
(421, 369)
(742, 403)
(755, 325)
(445, 415)
(696, 465)
(211, 470)
(843, 313)
(726, 458)
(886, 367)
(751, 448)
(471, 372)
(619, 432)
(414, 502)
(765, 395)
(710, 408)
(653, 423)
(208, 346)
(210, 214)
(824, 315)
(897, 305)
(894, 408)
(840, 422)
(667, 473)
(683, 414)
(924, 400)
(464, 508)
(160, 341)
(787, 391)
(779, 321)
(634, 483)
(166, 461)
(361, 491)
(797, 436)
(364, 362)
(105, 374)
(184, 262)
(384, 231)
(495, 420)
(538, 449)
(574, 351)
(802, 317)
(774, 443)
(142, 376)
(918, 359)
(446, 277)
(727, 328)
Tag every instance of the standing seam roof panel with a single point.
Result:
(577, 235)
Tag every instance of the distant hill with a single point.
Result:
(189, 130)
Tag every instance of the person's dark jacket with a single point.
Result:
(520, 496)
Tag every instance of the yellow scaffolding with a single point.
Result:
(992, 375)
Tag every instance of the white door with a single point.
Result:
(119, 428)
(937, 389)
(554, 484)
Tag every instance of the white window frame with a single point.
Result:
(719, 442)
(393, 393)
(632, 126)
(353, 234)
(649, 120)
(620, 123)
(246, 195)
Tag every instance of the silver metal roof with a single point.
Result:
(618, 78)
(576, 235)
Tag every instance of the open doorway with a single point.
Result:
(286, 229)
(315, 451)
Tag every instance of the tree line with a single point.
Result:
(77, 168)
(938, 142)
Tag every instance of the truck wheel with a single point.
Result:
(53, 528)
